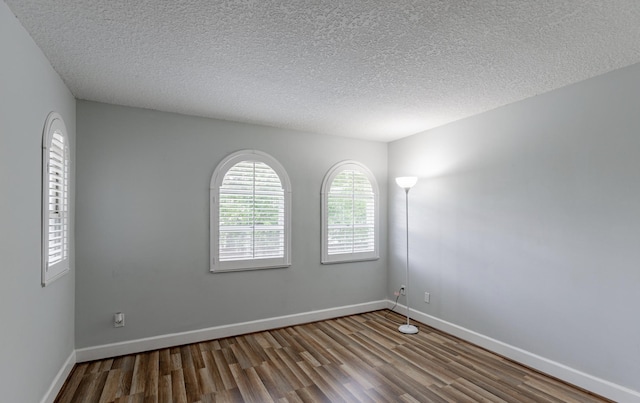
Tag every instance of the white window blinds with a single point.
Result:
(251, 213)
(350, 214)
(55, 200)
(58, 189)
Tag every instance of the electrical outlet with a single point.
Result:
(118, 319)
(403, 290)
(427, 297)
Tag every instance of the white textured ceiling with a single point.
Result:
(370, 69)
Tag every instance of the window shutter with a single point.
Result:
(351, 214)
(55, 199)
(251, 213)
(58, 188)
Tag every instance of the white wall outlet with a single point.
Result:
(403, 289)
(118, 319)
(427, 297)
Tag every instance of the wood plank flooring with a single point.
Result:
(359, 358)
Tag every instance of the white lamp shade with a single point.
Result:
(406, 182)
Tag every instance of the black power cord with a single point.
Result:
(397, 294)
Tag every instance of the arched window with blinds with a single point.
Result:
(250, 213)
(349, 214)
(55, 199)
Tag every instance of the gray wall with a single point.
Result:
(143, 225)
(37, 323)
(525, 226)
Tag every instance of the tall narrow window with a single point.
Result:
(250, 213)
(55, 199)
(349, 214)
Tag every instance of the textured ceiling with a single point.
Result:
(370, 69)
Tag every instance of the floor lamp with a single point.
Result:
(407, 182)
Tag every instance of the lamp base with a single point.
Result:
(408, 329)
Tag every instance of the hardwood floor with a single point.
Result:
(359, 358)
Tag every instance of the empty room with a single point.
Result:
(227, 201)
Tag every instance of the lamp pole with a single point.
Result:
(407, 183)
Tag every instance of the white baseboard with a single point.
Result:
(60, 378)
(196, 336)
(583, 380)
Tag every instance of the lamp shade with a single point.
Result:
(406, 182)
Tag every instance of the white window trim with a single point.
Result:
(214, 214)
(326, 184)
(54, 124)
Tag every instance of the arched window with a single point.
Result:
(349, 214)
(55, 199)
(250, 213)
